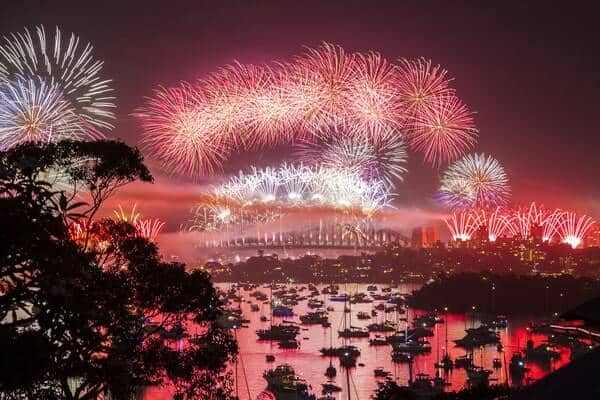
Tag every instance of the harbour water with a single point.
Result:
(310, 364)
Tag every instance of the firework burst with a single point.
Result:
(573, 228)
(495, 222)
(462, 225)
(323, 95)
(373, 100)
(35, 111)
(57, 88)
(475, 181)
(444, 131)
(182, 133)
(420, 85)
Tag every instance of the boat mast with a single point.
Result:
(348, 382)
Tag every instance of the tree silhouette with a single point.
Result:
(97, 312)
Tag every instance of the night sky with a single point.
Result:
(530, 72)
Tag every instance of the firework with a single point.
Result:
(573, 228)
(263, 195)
(332, 70)
(373, 99)
(149, 228)
(131, 217)
(295, 180)
(34, 111)
(475, 181)
(524, 220)
(444, 131)
(462, 225)
(325, 94)
(551, 224)
(420, 85)
(51, 89)
(381, 158)
(495, 222)
(183, 133)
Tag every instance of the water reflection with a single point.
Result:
(310, 365)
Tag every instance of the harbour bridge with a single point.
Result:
(332, 236)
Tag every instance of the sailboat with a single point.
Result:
(330, 372)
(352, 332)
(270, 357)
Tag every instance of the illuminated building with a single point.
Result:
(426, 236)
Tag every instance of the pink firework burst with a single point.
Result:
(332, 69)
(420, 85)
(373, 100)
(182, 132)
(444, 131)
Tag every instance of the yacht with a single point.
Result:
(278, 332)
(285, 385)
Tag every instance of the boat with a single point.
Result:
(541, 353)
(427, 320)
(401, 357)
(340, 297)
(278, 332)
(476, 337)
(314, 318)
(463, 362)
(382, 327)
(477, 376)
(352, 351)
(330, 372)
(363, 315)
(282, 311)
(347, 361)
(517, 366)
(312, 303)
(329, 388)
(412, 346)
(353, 332)
(360, 298)
(379, 372)
(378, 341)
(285, 385)
(288, 344)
